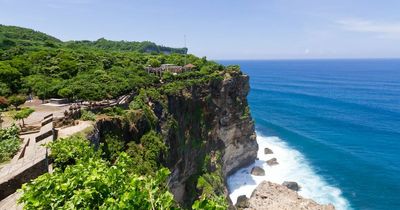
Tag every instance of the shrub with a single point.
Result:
(113, 111)
(217, 203)
(9, 142)
(149, 153)
(95, 184)
(70, 150)
(112, 147)
(88, 115)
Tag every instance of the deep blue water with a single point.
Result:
(342, 115)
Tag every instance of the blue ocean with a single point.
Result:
(334, 126)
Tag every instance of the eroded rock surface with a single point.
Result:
(291, 185)
(268, 151)
(274, 196)
(257, 171)
(272, 162)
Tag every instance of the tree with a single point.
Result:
(153, 62)
(16, 100)
(66, 93)
(4, 89)
(9, 76)
(22, 114)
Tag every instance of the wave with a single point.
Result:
(292, 166)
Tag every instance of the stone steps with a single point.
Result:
(10, 203)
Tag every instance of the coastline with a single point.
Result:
(292, 166)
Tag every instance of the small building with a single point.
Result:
(59, 101)
(175, 69)
(171, 68)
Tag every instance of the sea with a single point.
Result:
(333, 125)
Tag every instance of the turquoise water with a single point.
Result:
(340, 118)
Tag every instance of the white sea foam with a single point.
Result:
(292, 167)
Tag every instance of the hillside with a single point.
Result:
(13, 36)
(33, 62)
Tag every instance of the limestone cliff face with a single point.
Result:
(212, 119)
(207, 128)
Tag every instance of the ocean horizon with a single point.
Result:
(333, 125)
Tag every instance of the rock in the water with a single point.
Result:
(268, 195)
(268, 151)
(292, 185)
(257, 171)
(242, 202)
(272, 162)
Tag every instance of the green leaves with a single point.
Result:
(22, 114)
(17, 100)
(71, 150)
(88, 115)
(95, 184)
(9, 142)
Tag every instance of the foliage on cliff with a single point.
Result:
(83, 180)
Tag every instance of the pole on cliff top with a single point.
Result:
(184, 39)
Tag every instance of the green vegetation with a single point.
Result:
(16, 100)
(22, 114)
(148, 154)
(9, 142)
(33, 62)
(70, 150)
(88, 115)
(94, 183)
(113, 111)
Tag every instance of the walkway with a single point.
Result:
(30, 162)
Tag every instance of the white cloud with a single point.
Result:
(383, 29)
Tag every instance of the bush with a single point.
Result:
(95, 184)
(70, 150)
(149, 153)
(113, 146)
(88, 115)
(113, 111)
(9, 142)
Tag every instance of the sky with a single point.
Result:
(224, 29)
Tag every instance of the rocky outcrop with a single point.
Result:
(291, 185)
(274, 196)
(268, 151)
(242, 202)
(272, 162)
(257, 171)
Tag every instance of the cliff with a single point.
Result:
(207, 128)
